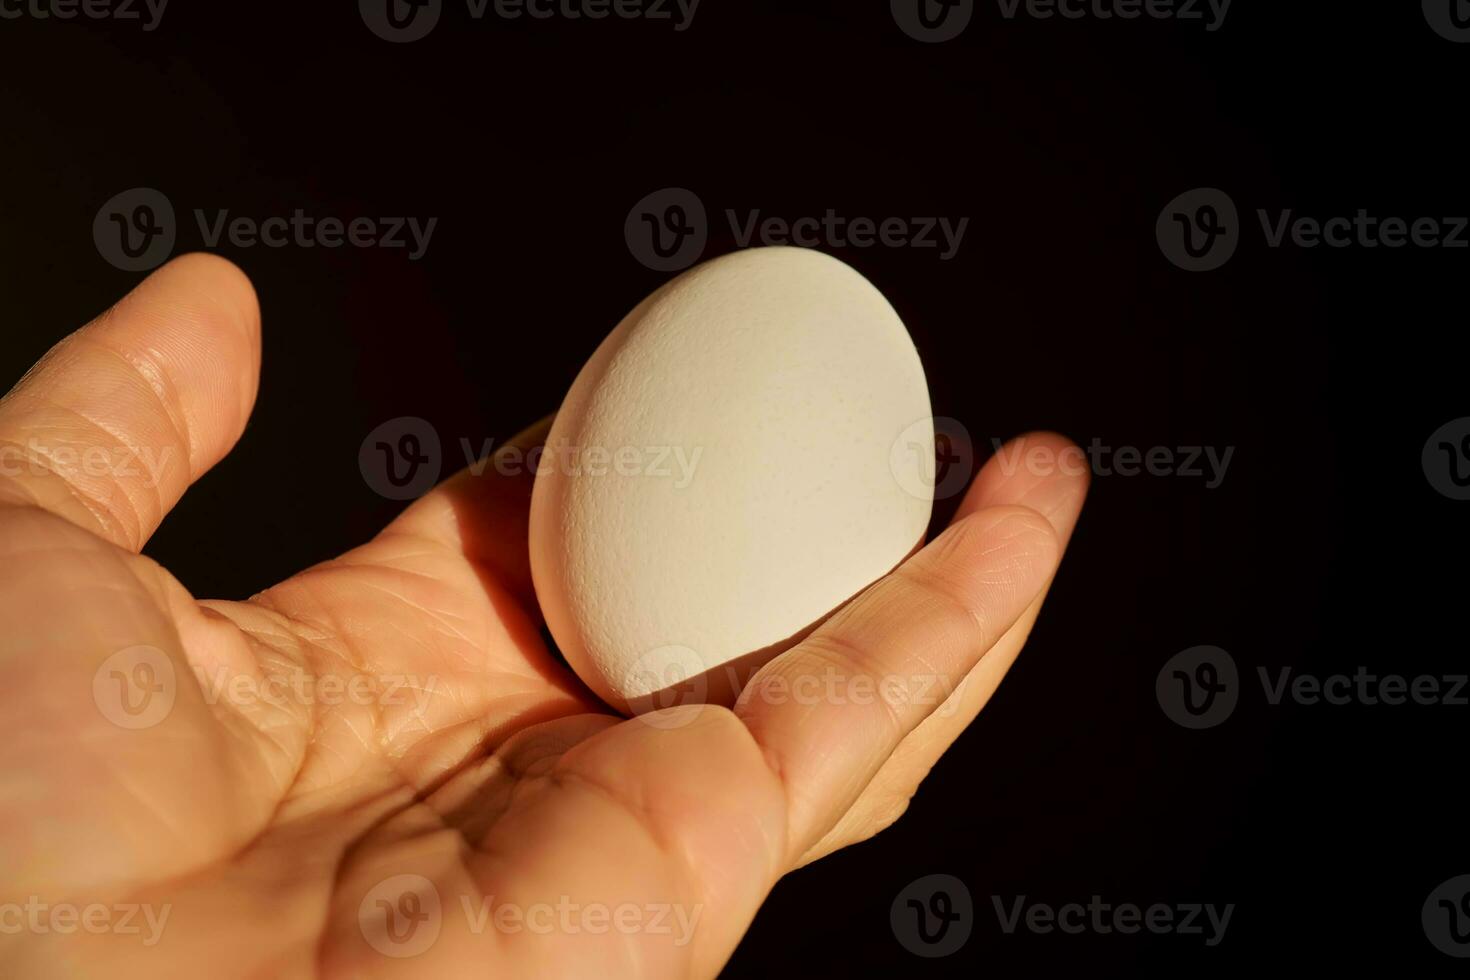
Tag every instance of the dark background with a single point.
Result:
(1325, 548)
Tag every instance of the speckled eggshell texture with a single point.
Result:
(749, 448)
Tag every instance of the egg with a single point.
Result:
(748, 449)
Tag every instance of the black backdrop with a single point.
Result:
(1324, 548)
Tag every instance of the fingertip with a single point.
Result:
(1070, 457)
(215, 287)
(192, 328)
(1043, 471)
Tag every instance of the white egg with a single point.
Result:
(749, 448)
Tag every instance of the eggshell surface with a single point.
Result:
(748, 449)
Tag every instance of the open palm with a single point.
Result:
(376, 768)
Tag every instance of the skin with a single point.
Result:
(272, 829)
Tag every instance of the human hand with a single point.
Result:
(460, 804)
